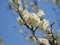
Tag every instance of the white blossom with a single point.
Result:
(20, 21)
(35, 8)
(25, 14)
(14, 4)
(49, 30)
(43, 25)
(40, 13)
(50, 35)
(31, 19)
(44, 41)
(35, 19)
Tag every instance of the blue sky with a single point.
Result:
(9, 34)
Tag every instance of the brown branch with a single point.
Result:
(33, 32)
(53, 41)
(35, 29)
(23, 20)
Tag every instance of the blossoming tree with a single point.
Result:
(34, 21)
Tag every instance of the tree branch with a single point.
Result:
(53, 41)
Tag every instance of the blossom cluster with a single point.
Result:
(31, 19)
(44, 41)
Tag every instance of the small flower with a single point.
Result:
(20, 21)
(43, 25)
(25, 14)
(35, 8)
(14, 4)
(44, 41)
(49, 30)
(50, 35)
(40, 13)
